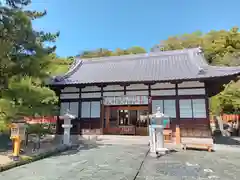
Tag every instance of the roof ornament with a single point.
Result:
(73, 69)
(156, 48)
(58, 78)
(200, 50)
(201, 70)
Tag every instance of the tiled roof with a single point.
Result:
(187, 64)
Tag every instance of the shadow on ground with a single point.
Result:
(227, 140)
(82, 146)
(218, 138)
(169, 152)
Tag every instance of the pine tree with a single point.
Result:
(24, 61)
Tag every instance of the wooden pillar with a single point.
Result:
(107, 117)
(102, 118)
(178, 135)
(58, 124)
(149, 107)
(177, 132)
(79, 131)
(207, 110)
(79, 124)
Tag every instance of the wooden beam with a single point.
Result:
(102, 116)
(129, 107)
(107, 116)
(177, 106)
(149, 83)
(178, 135)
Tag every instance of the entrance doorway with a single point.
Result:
(126, 120)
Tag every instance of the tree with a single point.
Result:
(136, 50)
(102, 52)
(220, 47)
(22, 49)
(30, 97)
(59, 65)
(120, 52)
(24, 62)
(229, 98)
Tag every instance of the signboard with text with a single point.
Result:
(125, 100)
(127, 130)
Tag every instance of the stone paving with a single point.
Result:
(129, 162)
(191, 165)
(99, 162)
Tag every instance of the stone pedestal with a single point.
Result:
(160, 138)
(66, 134)
(67, 127)
(156, 132)
(156, 139)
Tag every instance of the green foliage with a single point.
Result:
(228, 101)
(29, 96)
(25, 62)
(26, 97)
(59, 65)
(23, 48)
(229, 98)
(101, 52)
(220, 47)
(136, 50)
(17, 3)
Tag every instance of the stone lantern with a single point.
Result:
(67, 117)
(156, 128)
(18, 131)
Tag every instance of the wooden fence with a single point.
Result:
(226, 117)
(41, 120)
(230, 117)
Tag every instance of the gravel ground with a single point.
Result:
(116, 162)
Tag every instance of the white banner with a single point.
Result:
(126, 100)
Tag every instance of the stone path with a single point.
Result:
(129, 162)
(100, 162)
(191, 165)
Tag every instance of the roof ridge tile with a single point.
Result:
(136, 56)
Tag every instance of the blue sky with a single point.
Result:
(91, 24)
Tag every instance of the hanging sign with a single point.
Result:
(125, 100)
